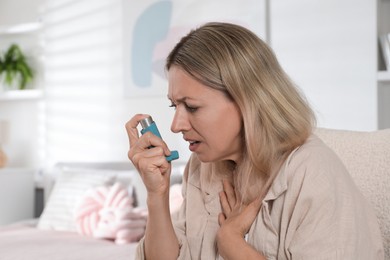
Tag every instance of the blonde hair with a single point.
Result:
(276, 116)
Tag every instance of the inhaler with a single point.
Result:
(148, 125)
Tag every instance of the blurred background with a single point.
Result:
(98, 62)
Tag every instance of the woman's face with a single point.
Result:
(209, 121)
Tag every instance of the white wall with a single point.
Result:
(22, 146)
(329, 50)
(23, 116)
(19, 11)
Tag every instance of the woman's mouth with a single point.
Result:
(194, 145)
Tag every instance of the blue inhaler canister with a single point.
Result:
(148, 125)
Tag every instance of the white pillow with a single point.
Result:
(68, 189)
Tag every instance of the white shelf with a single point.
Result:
(26, 94)
(20, 28)
(383, 76)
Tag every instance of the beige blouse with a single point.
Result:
(313, 210)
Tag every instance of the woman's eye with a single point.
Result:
(191, 109)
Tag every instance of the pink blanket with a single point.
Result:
(25, 242)
(107, 212)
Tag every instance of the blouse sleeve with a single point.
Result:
(330, 218)
(179, 219)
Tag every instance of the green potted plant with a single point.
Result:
(14, 68)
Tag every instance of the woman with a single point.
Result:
(259, 184)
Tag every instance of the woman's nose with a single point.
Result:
(180, 122)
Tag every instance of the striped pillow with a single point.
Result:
(69, 188)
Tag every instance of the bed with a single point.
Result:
(24, 241)
(56, 234)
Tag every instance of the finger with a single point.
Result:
(226, 208)
(162, 164)
(256, 204)
(252, 209)
(150, 153)
(131, 128)
(230, 193)
(155, 164)
(221, 218)
(248, 215)
(149, 139)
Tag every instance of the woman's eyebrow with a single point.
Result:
(180, 100)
